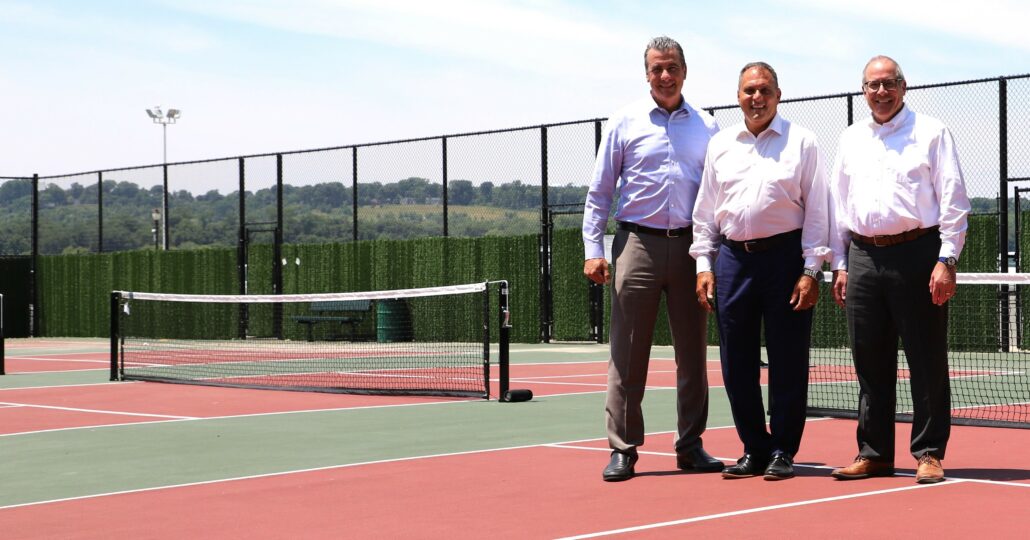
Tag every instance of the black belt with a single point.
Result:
(761, 244)
(669, 233)
(888, 240)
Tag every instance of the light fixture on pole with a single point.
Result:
(155, 215)
(164, 118)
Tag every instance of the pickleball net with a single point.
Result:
(427, 341)
(988, 355)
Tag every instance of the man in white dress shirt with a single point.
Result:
(651, 154)
(899, 226)
(760, 239)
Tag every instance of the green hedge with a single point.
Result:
(75, 288)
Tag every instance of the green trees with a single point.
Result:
(324, 212)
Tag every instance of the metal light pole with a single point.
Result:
(163, 118)
(155, 215)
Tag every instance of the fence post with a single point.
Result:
(100, 212)
(1003, 203)
(164, 209)
(546, 309)
(596, 291)
(241, 249)
(354, 190)
(33, 294)
(443, 146)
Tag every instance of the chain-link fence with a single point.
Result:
(530, 180)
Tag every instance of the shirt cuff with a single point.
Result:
(594, 251)
(704, 263)
(814, 263)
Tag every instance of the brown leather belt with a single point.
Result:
(893, 239)
(761, 244)
(670, 233)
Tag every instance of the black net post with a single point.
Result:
(486, 341)
(115, 314)
(2, 371)
(503, 337)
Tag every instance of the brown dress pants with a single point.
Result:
(646, 266)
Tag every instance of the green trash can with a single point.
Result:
(393, 321)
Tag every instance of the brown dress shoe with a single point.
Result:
(930, 470)
(863, 467)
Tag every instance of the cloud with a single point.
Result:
(999, 22)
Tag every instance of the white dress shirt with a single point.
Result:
(658, 157)
(896, 177)
(756, 187)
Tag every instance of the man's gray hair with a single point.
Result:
(663, 43)
(760, 65)
(897, 67)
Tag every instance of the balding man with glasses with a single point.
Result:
(899, 223)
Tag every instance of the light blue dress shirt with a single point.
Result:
(653, 160)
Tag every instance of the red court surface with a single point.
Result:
(127, 402)
(27, 362)
(556, 491)
(546, 491)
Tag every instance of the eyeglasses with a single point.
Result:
(889, 85)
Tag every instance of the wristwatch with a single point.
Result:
(950, 262)
(814, 274)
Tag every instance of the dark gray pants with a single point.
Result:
(645, 267)
(888, 296)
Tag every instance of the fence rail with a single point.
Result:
(486, 183)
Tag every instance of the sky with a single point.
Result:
(257, 76)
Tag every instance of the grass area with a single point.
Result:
(474, 212)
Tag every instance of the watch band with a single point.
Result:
(814, 274)
(948, 261)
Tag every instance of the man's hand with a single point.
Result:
(705, 290)
(840, 287)
(597, 271)
(806, 293)
(942, 283)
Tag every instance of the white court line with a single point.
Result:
(42, 359)
(294, 471)
(229, 417)
(756, 510)
(99, 411)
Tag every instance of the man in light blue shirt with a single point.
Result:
(652, 155)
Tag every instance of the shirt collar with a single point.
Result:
(899, 119)
(778, 126)
(650, 104)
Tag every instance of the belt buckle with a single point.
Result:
(749, 246)
(886, 241)
(673, 233)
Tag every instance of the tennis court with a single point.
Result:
(84, 457)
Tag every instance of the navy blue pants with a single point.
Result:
(752, 289)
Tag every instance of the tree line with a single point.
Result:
(412, 207)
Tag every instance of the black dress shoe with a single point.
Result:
(698, 460)
(746, 467)
(620, 467)
(780, 468)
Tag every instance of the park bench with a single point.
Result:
(344, 312)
